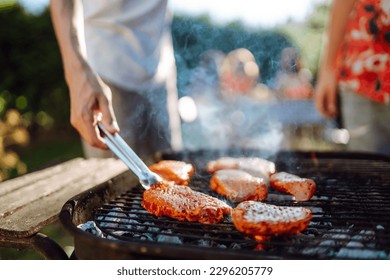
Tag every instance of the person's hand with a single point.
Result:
(91, 97)
(326, 93)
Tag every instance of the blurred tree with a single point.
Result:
(319, 17)
(32, 86)
(13, 132)
(308, 36)
(31, 77)
(193, 36)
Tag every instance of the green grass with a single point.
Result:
(46, 152)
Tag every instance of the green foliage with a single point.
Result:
(32, 82)
(7, 4)
(31, 75)
(319, 18)
(12, 133)
(308, 36)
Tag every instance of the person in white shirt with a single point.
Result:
(119, 62)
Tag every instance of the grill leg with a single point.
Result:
(39, 243)
(48, 247)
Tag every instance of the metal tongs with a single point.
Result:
(120, 148)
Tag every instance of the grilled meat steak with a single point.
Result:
(255, 166)
(301, 188)
(178, 172)
(183, 204)
(259, 219)
(238, 185)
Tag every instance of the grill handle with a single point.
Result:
(123, 151)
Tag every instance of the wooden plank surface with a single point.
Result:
(34, 200)
(22, 181)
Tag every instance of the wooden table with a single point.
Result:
(32, 201)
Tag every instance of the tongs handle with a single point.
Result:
(120, 148)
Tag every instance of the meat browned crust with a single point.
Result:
(301, 188)
(184, 204)
(175, 171)
(255, 166)
(238, 185)
(260, 219)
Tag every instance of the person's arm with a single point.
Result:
(89, 95)
(326, 88)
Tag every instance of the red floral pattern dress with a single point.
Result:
(364, 59)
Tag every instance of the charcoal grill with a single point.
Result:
(350, 214)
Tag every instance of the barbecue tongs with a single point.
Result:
(120, 148)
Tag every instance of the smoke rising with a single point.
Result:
(235, 120)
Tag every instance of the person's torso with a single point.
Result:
(128, 42)
(364, 60)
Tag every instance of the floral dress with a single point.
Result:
(364, 59)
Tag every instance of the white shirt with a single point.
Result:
(128, 42)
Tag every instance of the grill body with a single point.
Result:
(350, 214)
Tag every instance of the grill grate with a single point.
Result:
(350, 213)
